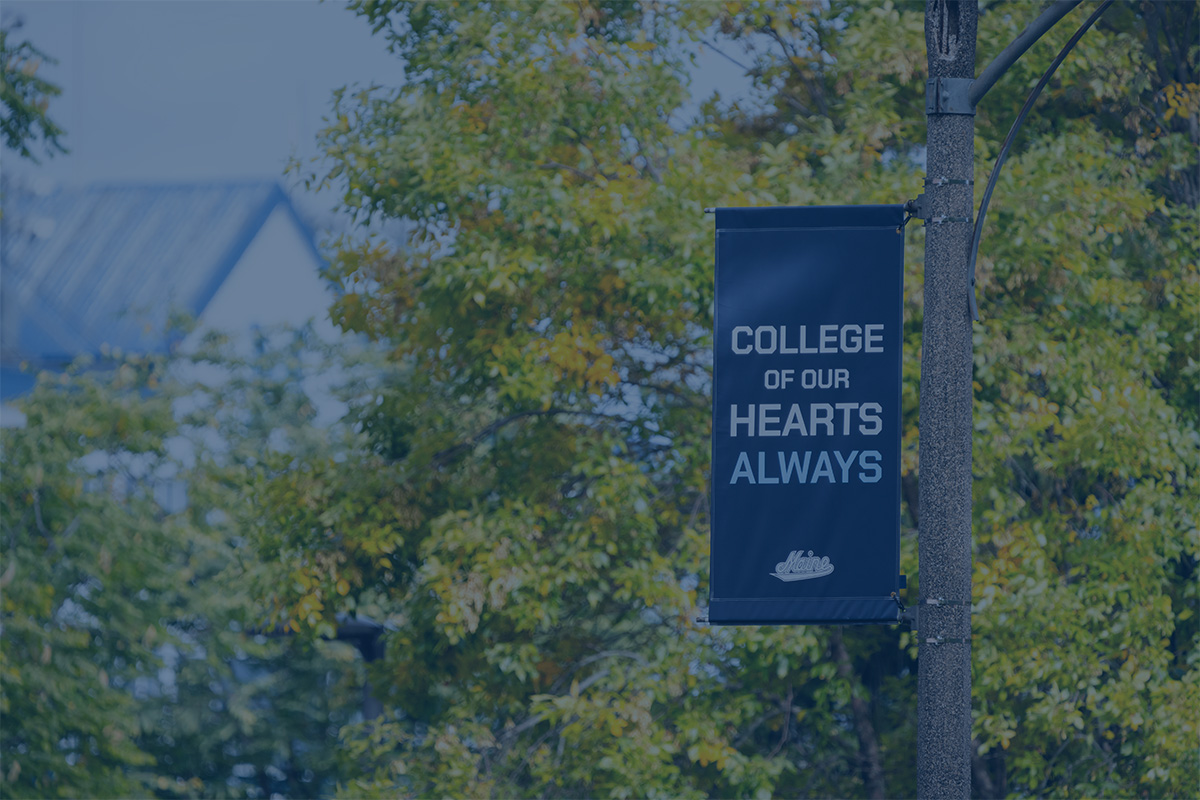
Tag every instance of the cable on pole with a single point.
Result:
(1012, 135)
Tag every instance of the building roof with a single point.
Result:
(109, 264)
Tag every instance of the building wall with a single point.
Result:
(276, 282)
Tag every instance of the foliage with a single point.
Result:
(130, 667)
(532, 511)
(72, 646)
(25, 96)
(1086, 454)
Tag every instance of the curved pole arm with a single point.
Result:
(1008, 140)
(1000, 64)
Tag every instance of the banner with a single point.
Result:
(806, 415)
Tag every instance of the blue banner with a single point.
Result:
(806, 415)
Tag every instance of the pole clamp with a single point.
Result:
(941, 601)
(941, 219)
(918, 208)
(949, 96)
(940, 640)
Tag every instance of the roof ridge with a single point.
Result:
(101, 257)
(139, 184)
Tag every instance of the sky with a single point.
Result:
(201, 90)
(186, 91)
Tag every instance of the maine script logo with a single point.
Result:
(801, 567)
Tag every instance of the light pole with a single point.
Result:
(952, 238)
(944, 502)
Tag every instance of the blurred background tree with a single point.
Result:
(25, 96)
(134, 662)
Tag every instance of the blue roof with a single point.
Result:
(108, 264)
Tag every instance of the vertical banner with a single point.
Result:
(806, 415)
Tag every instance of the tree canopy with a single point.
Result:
(134, 661)
(533, 509)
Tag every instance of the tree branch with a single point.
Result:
(787, 722)
(868, 742)
(984, 786)
(532, 721)
(587, 176)
(442, 456)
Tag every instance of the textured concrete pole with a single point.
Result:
(944, 543)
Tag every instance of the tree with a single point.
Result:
(1086, 536)
(133, 660)
(25, 96)
(530, 504)
(534, 507)
(73, 648)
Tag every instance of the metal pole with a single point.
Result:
(944, 543)
(1008, 56)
